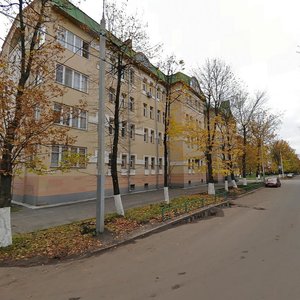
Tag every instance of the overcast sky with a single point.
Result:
(258, 38)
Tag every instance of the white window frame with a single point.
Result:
(83, 79)
(146, 135)
(77, 45)
(81, 118)
(59, 154)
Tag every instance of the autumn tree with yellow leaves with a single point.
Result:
(27, 90)
(217, 83)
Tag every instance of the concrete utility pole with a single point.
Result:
(101, 130)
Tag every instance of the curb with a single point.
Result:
(186, 218)
(200, 213)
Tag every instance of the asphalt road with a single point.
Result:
(250, 251)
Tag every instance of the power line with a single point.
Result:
(54, 37)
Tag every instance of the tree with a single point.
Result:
(217, 83)
(284, 156)
(171, 66)
(128, 45)
(244, 109)
(27, 89)
(229, 142)
(263, 128)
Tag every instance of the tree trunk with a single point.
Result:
(166, 146)
(211, 183)
(244, 166)
(5, 201)
(233, 180)
(226, 183)
(114, 156)
(5, 190)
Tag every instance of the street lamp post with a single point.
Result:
(101, 131)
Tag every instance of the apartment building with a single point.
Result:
(143, 98)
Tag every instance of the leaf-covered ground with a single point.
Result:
(79, 238)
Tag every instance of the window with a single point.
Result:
(66, 115)
(131, 104)
(159, 138)
(109, 159)
(132, 161)
(73, 42)
(145, 110)
(163, 117)
(59, 154)
(37, 112)
(57, 112)
(60, 74)
(150, 91)
(70, 116)
(123, 98)
(152, 137)
(160, 163)
(132, 131)
(131, 76)
(71, 78)
(82, 156)
(189, 164)
(146, 164)
(84, 83)
(144, 86)
(82, 119)
(146, 132)
(158, 116)
(68, 77)
(151, 112)
(123, 129)
(158, 95)
(111, 95)
(76, 80)
(124, 161)
(85, 49)
(123, 75)
(42, 36)
(55, 156)
(152, 163)
(111, 126)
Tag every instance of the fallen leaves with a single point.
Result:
(80, 237)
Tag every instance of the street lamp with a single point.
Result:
(101, 130)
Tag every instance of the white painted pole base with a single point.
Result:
(5, 227)
(119, 205)
(244, 181)
(226, 185)
(234, 184)
(166, 195)
(211, 189)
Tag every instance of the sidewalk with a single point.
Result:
(27, 220)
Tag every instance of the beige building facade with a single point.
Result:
(143, 98)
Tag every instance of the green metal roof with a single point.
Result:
(77, 14)
(179, 76)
